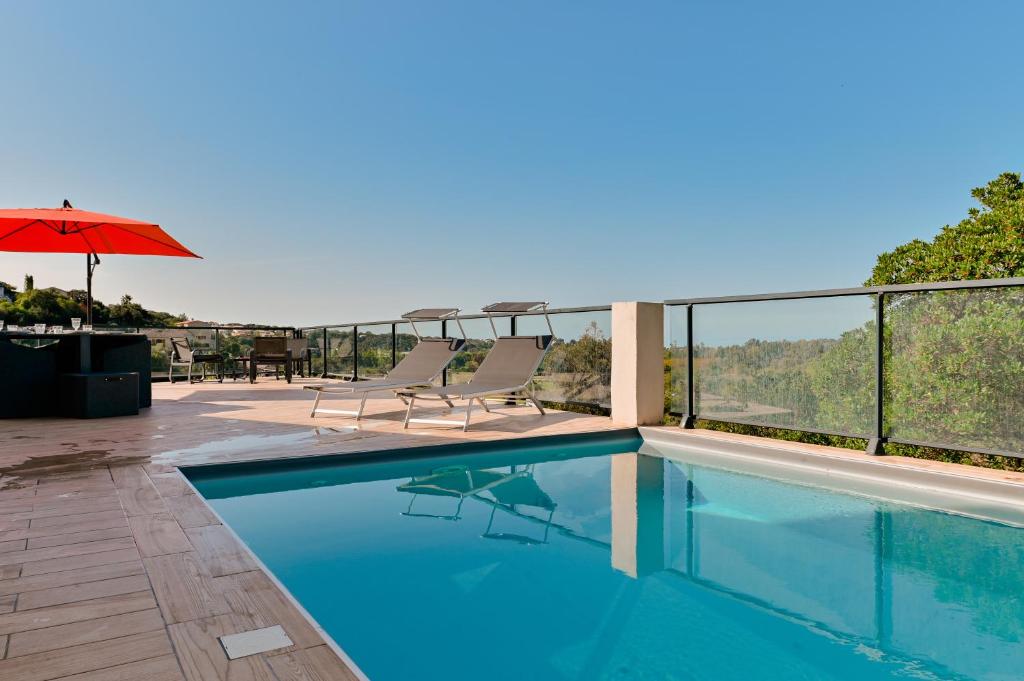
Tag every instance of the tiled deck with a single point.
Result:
(111, 568)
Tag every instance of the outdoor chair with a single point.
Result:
(184, 355)
(505, 374)
(420, 366)
(270, 351)
(301, 359)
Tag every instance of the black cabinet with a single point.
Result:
(99, 394)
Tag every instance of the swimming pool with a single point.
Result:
(584, 559)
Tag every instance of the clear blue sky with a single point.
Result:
(351, 161)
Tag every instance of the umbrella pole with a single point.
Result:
(90, 264)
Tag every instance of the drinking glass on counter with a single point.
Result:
(39, 328)
(87, 328)
(76, 322)
(56, 328)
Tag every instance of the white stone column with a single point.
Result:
(638, 355)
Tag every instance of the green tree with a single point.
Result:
(39, 305)
(987, 244)
(128, 312)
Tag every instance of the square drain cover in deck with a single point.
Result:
(255, 641)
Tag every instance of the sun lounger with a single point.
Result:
(418, 368)
(505, 373)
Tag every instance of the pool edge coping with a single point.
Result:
(961, 493)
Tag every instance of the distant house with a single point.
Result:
(200, 337)
(6, 294)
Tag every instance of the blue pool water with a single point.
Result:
(588, 561)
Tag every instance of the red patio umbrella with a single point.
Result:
(69, 230)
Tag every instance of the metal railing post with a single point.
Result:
(512, 331)
(394, 345)
(323, 355)
(876, 444)
(690, 419)
(355, 353)
(444, 334)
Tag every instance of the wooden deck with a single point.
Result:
(111, 568)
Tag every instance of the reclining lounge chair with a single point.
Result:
(418, 368)
(506, 373)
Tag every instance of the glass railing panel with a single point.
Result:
(160, 346)
(675, 360)
(479, 341)
(804, 364)
(236, 342)
(405, 339)
(374, 359)
(578, 367)
(315, 348)
(955, 368)
(340, 351)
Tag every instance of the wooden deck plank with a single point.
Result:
(88, 497)
(44, 567)
(165, 668)
(82, 592)
(7, 523)
(79, 537)
(7, 603)
(11, 507)
(20, 493)
(70, 529)
(12, 545)
(89, 492)
(88, 631)
(68, 551)
(182, 591)
(313, 664)
(19, 585)
(157, 535)
(170, 484)
(190, 511)
(219, 552)
(88, 657)
(72, 507)
(137, 493)
(27, 620)
(62, 523)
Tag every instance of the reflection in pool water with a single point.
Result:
(577, 563)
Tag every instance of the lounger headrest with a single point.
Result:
(542, 342)
(454, 344)
(515, 307)
(428, 314)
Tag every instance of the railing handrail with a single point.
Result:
(184, 329)
(859, 291)
(464, 317)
